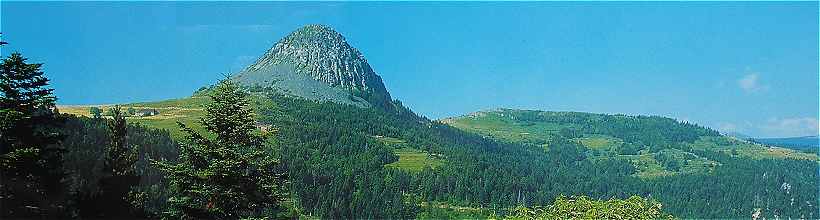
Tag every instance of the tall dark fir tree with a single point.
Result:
(119, 173)
(228, 174)
(120, 156)
(30, 156)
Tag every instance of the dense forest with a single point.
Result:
(317, 138)
(258, 153)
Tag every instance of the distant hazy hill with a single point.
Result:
(316, 62)
(807, 142)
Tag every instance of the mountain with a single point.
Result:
(799, 143)
(345, 160)
(317, 63)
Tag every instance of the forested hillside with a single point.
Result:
(347, 161)
(243, 150)
(693, 162)
(673, 161)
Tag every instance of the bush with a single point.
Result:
(583, 207)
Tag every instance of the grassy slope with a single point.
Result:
(410, 159)
(498, 125)
(414, 160)
(185, 110)
(504, 125)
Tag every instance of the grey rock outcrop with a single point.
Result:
(325, 56)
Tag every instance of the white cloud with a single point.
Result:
(751, 83)
(791, 127)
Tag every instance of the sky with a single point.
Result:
(746, 67)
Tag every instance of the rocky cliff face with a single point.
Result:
(323, 54)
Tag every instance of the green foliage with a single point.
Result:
(93, 191)
(414, 160)
(669, 162)
(583, 207)
(102, 165)
(227, 177)
(600, 142)
(438, 210)
(95, 112)
(120, 157)
(338, 169)
(23, 85)
(538, 125)
(30, 157)
(667, 154)
(630, 149)
(119, 174)
(108, 112)
(336, 166)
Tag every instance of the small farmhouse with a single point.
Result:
(146, 112)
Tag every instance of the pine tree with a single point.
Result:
(120, 158)
(23, 85)
(227, 174)
(118, 168)
(30, 159)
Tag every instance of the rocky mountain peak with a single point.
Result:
(323, 54)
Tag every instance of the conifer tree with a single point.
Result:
(30, 159)
(227, 174)
(119, 170)
(120, 157)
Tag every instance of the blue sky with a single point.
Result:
(734, 66)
